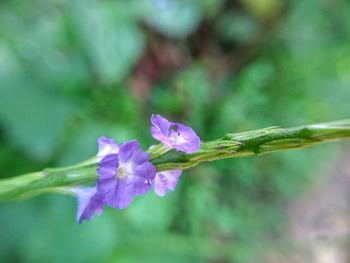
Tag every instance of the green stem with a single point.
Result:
(232, 145)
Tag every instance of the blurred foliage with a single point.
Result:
(71, 71)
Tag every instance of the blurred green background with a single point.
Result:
(71, 71)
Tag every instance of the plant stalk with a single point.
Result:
(232, 145)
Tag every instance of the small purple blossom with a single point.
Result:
(124, 175)
(125, 170)
(174, 135)
(90, 202)
(166, 180)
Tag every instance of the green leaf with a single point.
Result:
(113, 43)
(34, 120)
(175, 19)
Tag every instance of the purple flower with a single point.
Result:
(166, 180)
(90, 202)
(106, 146)
(174, 135)
(124, 175)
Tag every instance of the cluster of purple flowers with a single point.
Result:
(125, 170)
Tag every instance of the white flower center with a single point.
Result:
(124, 171)
(121, 173)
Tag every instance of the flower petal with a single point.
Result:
(90, 202)
(106, 185)
(127, 150)
(166, 180)
(143, 177)
(106, 146)
(185, 139)
(160, 129)
(160, 123)
(121, 195)
(108, 166)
